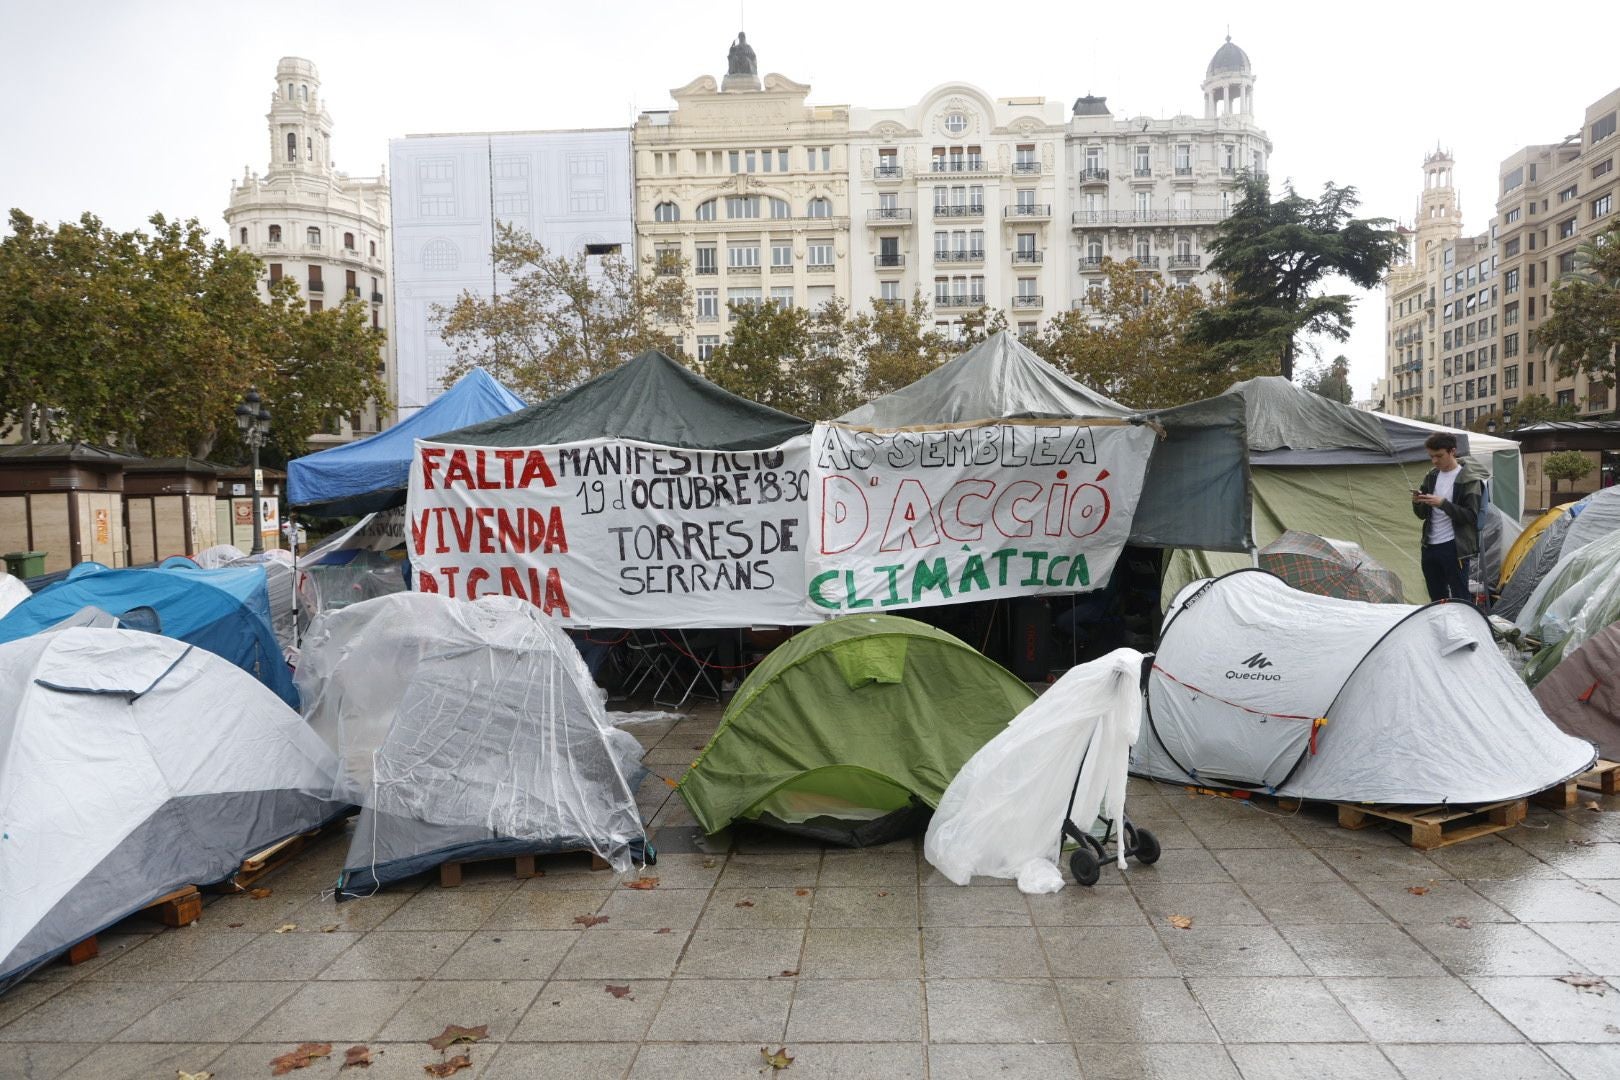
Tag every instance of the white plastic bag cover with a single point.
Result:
(473, 714)
(1039, 876)
(1005, 808)
(217, 556)
(1575, 594)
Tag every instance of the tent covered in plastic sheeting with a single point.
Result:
(1315, 564)
(466, 730)
(372, 473)
(132, 765)
(1257, 685)
(1196, 492)
(1578, 598)
(225, 611)
(1534, 566)
(12, 592)
(217, 556)
(359, 563)
(850, 731)
(1064, 757)
(1582, 694)
(278, 583)
(1596, 516)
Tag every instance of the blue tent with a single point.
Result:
(224, 611)
(372, 474)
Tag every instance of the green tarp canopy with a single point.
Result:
(650, 399)
(845, 729)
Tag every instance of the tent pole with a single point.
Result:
(293, 514)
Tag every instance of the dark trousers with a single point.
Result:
(1443, 572)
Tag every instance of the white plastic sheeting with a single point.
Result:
(1577, 599)
(131, 765)
(1599, 517)
(1408, 704)
(461, 716)
(217, 556)
(278, 581)
(12, 592)
(1003, 814)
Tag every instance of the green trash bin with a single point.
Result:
(24, 564)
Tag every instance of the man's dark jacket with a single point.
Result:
(1467, 495)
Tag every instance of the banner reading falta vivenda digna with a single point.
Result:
(968, 512)
(612, 532)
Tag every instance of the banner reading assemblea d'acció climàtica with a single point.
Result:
(970, 512)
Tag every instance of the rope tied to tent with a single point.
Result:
(1316, 722)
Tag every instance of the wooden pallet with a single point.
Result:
(278, 855)
(179, 908)
(1601, 779)
(1429, 827)
(524, 866)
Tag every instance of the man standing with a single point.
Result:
(1449, 503)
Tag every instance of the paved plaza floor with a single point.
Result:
(1311, 952)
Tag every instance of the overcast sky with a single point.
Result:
(128, 107)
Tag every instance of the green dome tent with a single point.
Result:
(851, 731)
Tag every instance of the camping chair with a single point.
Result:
(693, 653)
(647, 657)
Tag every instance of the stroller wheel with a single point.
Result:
(1083, 864)
(1147, 847)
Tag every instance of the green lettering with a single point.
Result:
(1035, 559)
(815, 590)
(894, 596)
(973, 571)
(1001, 558)
(1052, 569)
(849, 591)
(1078, 572)
(927, 576)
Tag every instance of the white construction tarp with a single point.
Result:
(1064, 756)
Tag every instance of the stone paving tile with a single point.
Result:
(1007, 1061)
(1100, 905)
(509, 954)
(1418, 1062)
(534, 909)
(758, 909)
(869, 868)
(208, 1012)
(1206, 905)
(1148, 1011)
(1361, 949)
(652, 909)
(170, 956)
(861, 953)
(856, 1010)
(759, 870)
(722, 1010)
(1594, 947)
(974, 907)
(1105, 951)
(358, 915)
(1437, 901)
(333, 1012)
(397, 954)
(1338, 1061)
(1382, 864)
(742, 954)
(622, 954)
(390, 1061)
(1252, 865)
(125, 1061)
(585, 1012)
(1231, 950)
(965, 952)
(111, 947)
(48, 1060)
(293, 956)
(742, 1061)
(25, 995)
(1267, 1010)
(1598, 862)
(596, 1061)
(1550, 901)
(994, 1010)
(1194, 866)
(1492, 857)
(87, 1012)
(1420, 1010)
(1549, 1011)
(1508, 948)
(1173, 1061)
(866, 906)
(468, 1003)
(1585, 1062)
(464, 908)
(1313, 903)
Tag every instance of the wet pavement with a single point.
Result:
(1311, 952)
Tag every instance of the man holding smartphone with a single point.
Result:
(1449, 503)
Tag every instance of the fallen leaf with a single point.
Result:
(356, 1057)
(1595, 807)
(883, 892)
(329, 927)
(301, 1058)
(708, 864)
(1580, 841)
(454, 1033)
(743, 903)
(181, 1074)
(642, 883)
(1461, 922)
(789, 973)
(801, 892)
(449, 1068)
(1417, 890)
(1593, 984)
(1181, 922)
(778, 1060)
(258, 894)
(662, 930)
(233, 926)
(590, 920)
(670, 782)
(618, 991)
(286, 928)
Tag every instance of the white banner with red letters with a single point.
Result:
(615, 533)
(905, 519)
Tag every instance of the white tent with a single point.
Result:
(466, 730)
(1065, 756)
(1257, 685)
(132, 765)
(12, 592)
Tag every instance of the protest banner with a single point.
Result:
(968, 512)
(615, 533)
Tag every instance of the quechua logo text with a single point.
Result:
(1256, 670)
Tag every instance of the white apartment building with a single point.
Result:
(1154, 190)
(1412, 288)
(311, 223)
(570, 190)
(747, 187)
(956, 195)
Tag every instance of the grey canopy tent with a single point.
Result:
(1196, 493)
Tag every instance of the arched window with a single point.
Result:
(820, 208)
(780, 208)
(706, 211)
(309, 148)
(348, 241)
(440, 255)
(303, 93)
(312, 236)
(374, 249)
(292, 146)
(275, 234)
(666, 211)
(244, 234)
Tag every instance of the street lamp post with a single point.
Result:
(253, 421)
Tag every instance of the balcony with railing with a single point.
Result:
(743, 269)
(956, 165)
(781, 268)
(1184, 172)
(1093, 176)
(1141, 174)
(962, 255)
(1027, 212)
(1027, 257)
(1027, 300)
(317, 286)
(889, 215)
(888, 302)
(1145, 263)
(353, 291)
(708, 316)
(894, 261)
(959, 210)
(821, 267)
(888, 172)
(1186, 262)
(1026, 168)
(705, 269)
(1410, 365)
(1091, 262)
(958, 300)
(376, 297)
(1402, 395)
(1093, 218)
(667, 267)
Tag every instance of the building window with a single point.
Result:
(820, 208)
(742, 207)
(706, 344)
(708, 305)
(244, 235)
(707, 211)
(292, 146)
(666, 211)
(1566, 262)
(275, 273)
(742, 255)
(1510, 345)
(1566, 228)
(373, 249)
(747, 296)
(734, 158)
(1144, 164)
(1144, 204)
(348, 241)
(1569, 193)
(780, 208)
(818, 158)
(956, 123)
(312, 236)
(707, 261)
(1510, 281)
(781, 253)
(275, 234)
(819, 252)
(1509, 249)
(315, 284)
(782, 296)
(1094, 159)
(1565, 397)
(1183, 159)
(1603, 168)
(440, 255)
(1228, 158)
(1602, 205)
(889, 291)
(1603, 127)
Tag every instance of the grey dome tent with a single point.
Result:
(1582, 694)
(1260, 686)
(132, 765)
(466, 729)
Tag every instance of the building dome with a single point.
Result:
(1228, 60)
(1091, 106)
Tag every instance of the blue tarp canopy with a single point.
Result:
(225, 611)
(372, 474)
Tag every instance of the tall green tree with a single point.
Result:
(1330, 380)
(1273, 255)
(561, 321)
(1538, 408)
(894, 345)
(790, 358)
(1568, 465)
(1583, 332)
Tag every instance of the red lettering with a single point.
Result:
(443, 548)
(536, 528)
(511, 528)
(510, 459)
(556, 600)
(462, 524)
(512, 583)
(430, 462)
(425, 582)
(556, 538)
(450, 573)
(475, 577)
(486, 531)
(535, 466)
(419, 532)
(459, 470)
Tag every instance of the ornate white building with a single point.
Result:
(1154, 190)
(750, 187)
